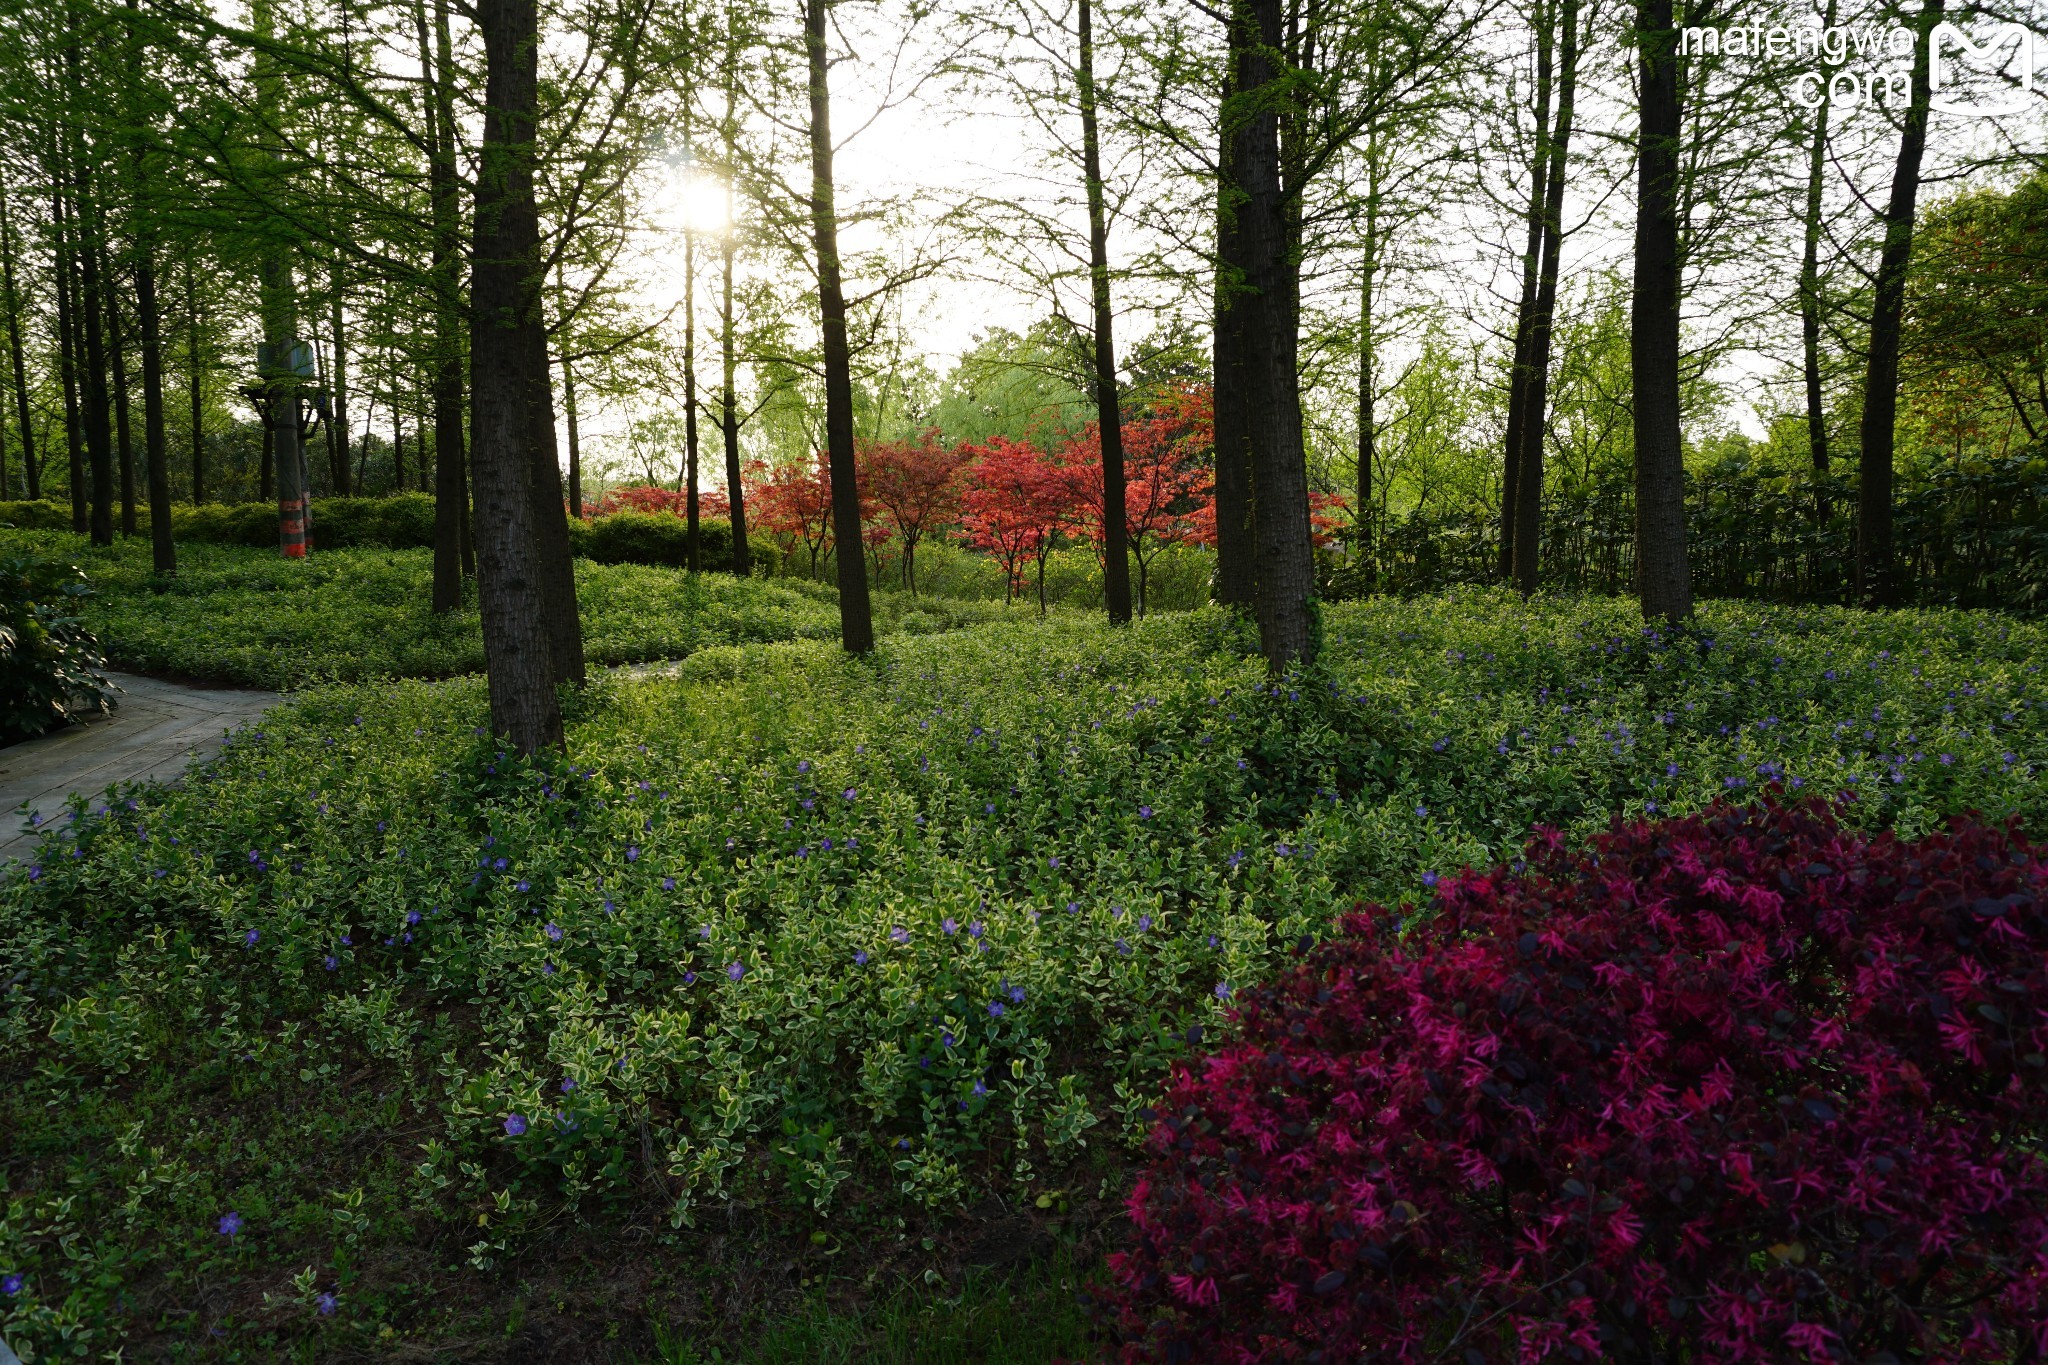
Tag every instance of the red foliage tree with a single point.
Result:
(916, 484)
(1743, 1087)
(793, 504)
(1015, 504)
(649, 497)
(1168, 487)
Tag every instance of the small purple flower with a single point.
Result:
(850, 793)
(1429, 879)
(689, 978)
(326, 1304)
(1053, 862)
(554, 933)
(950, 925)
(734, 972)
(515, 1125)
(1947, 759)
(1016, 995)
(1144, 812)
(10, 1285)
(946, 1038)
(568, 1084)
(1144, 923)
(522, 885)
(1123, 947)
(1236, 858)
(995, 1009)
(329, 962)
(412, 917)
(975, 929)
(980, 1088)
(1223, 990)
(1422, 812)
(900, 934)
(703, 931)
(547, 969)
(860, 957)
(249, 939)
(632, 853)
(668, 883)
(803, 765)
(230, 1224)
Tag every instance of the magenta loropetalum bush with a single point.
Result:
(1743, 1087)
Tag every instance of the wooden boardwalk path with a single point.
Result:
(157, 730)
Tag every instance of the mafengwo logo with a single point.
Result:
(1951, 42)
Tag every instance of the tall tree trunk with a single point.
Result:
(1368, 417)
(451, 484)
(1809, 302)
(195, 371)
(1536, 384)
(1109, 422)
(163, 550)
(32, 476)
(68, 364)
(1279, 470)
(1236, 566)
(281, 403)
(856, 619)
(99, 435)
(550, 506)
(518, 645)
(337, 420)
(266, 483)
(729, 407)
(690, 399)
(124, 443)
(1664, 581)
(1525, 310)
(1876, 574)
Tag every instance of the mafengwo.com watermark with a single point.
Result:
(1850, 66)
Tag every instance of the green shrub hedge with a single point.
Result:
(406, 522)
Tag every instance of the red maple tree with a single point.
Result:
(1167, 483)
(916, 484)
(1015, 505)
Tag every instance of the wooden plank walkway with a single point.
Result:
(153, 735)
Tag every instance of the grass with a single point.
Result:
(799, 976)
(239, 616)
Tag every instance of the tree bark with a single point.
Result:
(1664, 581)
(32, 476)
(575, 441)
(1279, 470)
(856, 618)
(690, 399)
(1525, 310)
(1236, 569)
(162, 549)
(68, 365)
(1809, 303)
(124, 444)
(518, 646)
(1536, 384)
(1876, 574)
(1109, 422)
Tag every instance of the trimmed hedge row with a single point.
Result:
(406, 521)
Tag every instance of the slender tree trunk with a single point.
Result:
(1876, 574)
(337, 421)
(856, 619)
(99, 436)
(1280, 523)
(1525, 311)
(265, 482)
(1536, 383)
(452, 555)
(397, 442)
(1109, 422)
(728, 403)
(194, 366)
(68, 366)
(1664, 581)
(575, 441)
(518, 645)
(281, 404)
(124, 443)
(162, 549)
(32, 476)
(1809, 303)
(690, 399)
(1236, 569)
(1368, 417)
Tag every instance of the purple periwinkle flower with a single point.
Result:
(975, 929)
(689, 978)
(10, 1285)
(980, 1088)
(668, 883)
(249, 939)
(522, 885)
(900, 934)
(946, 1038)
(850, 793)
(329, 962)
(860, 957)
(568, 1084)
(1429, 879)
(632, 853)
(1222, 990)
(734, 972)
(554, 933)
(1016, 995)
(950, 925)
(1144, 812)
(995, 1009)
(230, 1223)
(326, 1304)
(515, 1125)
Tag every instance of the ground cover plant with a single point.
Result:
(374, 1034)
(241, 616)
(1743, 1086)
(49, 661)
